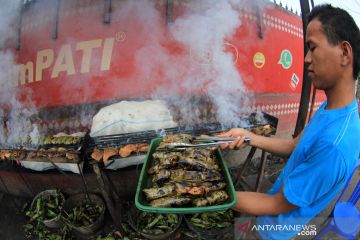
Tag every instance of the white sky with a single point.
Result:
(351, 6)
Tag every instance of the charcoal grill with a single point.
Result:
(118, 140)
(50, 151)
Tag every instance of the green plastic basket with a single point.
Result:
(145, 181)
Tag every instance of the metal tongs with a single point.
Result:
(208, 142)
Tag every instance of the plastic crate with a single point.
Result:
(145, 182)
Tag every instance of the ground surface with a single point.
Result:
(12, 218)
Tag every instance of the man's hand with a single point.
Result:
(239, 135)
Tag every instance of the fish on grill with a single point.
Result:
(5, 154)
(97, 154)
(170, 201)
(175, 138)
(18, 155)
(128, 149)
(71, 156)
(108, 153)
(63, 140)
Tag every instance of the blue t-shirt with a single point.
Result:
(316, 171)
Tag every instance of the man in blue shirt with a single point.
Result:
(324, 155)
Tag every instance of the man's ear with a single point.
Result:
(346, 53)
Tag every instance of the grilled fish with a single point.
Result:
(198, 153)
(162, 176)
(167, 155)
(175, 138)
(154, 193)
(209, 187)
(217, 197)
(179, 175)
(5, 154)
(108, 153)
(170, 201)
(200, 202)
(97, 154)
(197, 165)
(198, 189)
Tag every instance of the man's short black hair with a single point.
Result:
(338, 26)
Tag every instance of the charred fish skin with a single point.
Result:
(155, 193)
(197, 165)
(198, 153)
(155, 169)
(170, 201)
(209, 187)
(217, 197)
(158, 166)
(161, 177)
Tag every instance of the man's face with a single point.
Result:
(323, 58)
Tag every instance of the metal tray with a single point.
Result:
(145, 181)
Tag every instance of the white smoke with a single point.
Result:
(15, 123)
(202, 65)
(204, 29)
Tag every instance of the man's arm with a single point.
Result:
(277, 146)
(257, 204)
